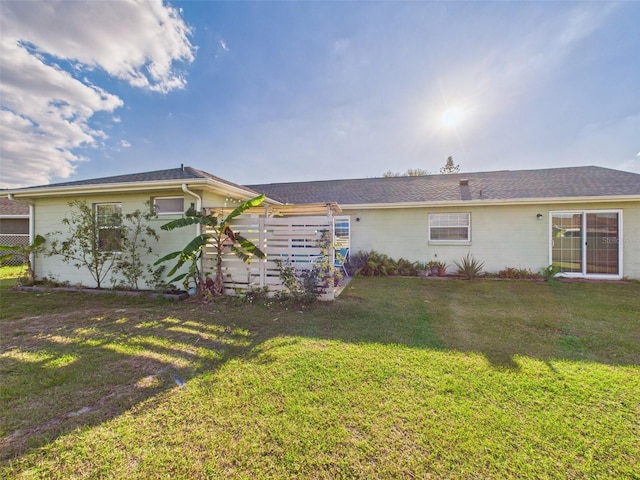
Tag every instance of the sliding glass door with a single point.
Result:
(586, 243)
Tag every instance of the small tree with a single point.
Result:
(221, 235)
(136, 236)
(113, 244)
(36, 247)
(83, 246)
(449, 167)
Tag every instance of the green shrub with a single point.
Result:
(517, 273)
(549, 273)
(406, 268)
(373, 264)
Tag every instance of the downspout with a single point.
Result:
(32, 226)
(198, 209)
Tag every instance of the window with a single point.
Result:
(169, 205)
(109, 222)
(341, 229)
(450, 227)
(587, 242)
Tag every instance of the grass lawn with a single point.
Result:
(398, 378)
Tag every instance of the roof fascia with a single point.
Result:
(481, 203)
(206, 183)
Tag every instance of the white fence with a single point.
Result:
(292, 239)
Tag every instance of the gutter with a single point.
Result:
(216, 187)
(488, 202)
(185, 189)
(32, 225)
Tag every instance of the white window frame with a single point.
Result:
(432, 218)
(343, 242)
(583, 260)
(155, 205)
(100, 227)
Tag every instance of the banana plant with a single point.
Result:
(220, 235)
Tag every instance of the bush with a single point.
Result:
(406, 268)
(373, 264)
(469, 267)
(549, 273)
(517, 273)
(301, 287)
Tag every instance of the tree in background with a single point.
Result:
(449, 167)
(411, 172)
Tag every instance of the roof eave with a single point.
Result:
(492, 202)
(207, 183)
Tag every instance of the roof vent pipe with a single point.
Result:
(464, 182)
(182, 167)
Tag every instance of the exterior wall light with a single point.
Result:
(539, 216)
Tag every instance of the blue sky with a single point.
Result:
(259, 92)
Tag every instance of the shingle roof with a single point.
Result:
(176, 174)
(9, 207)
(500, 185)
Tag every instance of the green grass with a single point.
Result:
(399, 378)
(9, 275)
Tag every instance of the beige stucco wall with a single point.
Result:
(501, 236)
(49, 213)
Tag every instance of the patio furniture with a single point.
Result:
(341, 257)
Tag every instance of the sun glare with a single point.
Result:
(452, 116)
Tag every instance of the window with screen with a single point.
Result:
(109, 223)
(450, 227)
(168, 205)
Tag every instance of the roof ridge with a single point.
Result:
(444, 176)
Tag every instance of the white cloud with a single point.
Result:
(46, 110)
(125, 144)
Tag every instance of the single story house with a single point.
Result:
(585, 220)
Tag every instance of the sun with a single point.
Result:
(452, 116)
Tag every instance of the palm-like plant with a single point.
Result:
(469, 267)
(220, 235)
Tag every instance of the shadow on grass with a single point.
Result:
(79, 368)
(89, 359)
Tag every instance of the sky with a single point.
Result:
(262, 92)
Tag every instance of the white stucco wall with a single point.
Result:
(501, 236)
(49, 213)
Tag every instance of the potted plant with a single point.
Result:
(433, 266)
(422, 269)
(437, 268)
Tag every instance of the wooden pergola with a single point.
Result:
(291, 210)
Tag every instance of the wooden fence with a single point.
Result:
(292, 239)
